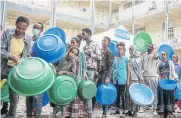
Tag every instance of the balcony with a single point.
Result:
(64, 14)
(148, 9)
(174, 37)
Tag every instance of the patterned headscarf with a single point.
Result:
(135, 52)
(176, 58)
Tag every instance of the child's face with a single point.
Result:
(164, 55)
(174, 58)
(120, 50)
(74, 43)
(73, 53)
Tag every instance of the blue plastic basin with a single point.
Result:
(178, 91)
(141, 94)
(112, 47)
(106, 94)
(45, 100)
(50, 48)
(167, 84)
(167, 49)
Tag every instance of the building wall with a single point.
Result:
(72, 8)
(138, 9)
(157, 33)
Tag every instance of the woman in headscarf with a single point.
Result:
(77, 109)
(135, 69)
(166, 99)
(177, 68)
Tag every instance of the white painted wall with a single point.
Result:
(138, 9)
(143, 7)
(69, 8)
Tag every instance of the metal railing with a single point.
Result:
(115, 17)
(160, 6)
(174, 37)
(102, 17)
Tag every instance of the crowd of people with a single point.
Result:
(97, 64)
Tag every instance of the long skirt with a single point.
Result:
(128, 103)
(179, 104)
(77, 109)
(166, 100)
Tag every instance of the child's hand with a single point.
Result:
(62, 72)
(85, 76)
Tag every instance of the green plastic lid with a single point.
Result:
(142, 40)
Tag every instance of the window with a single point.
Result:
(170, 33)
(140, 30)
(77, 4)
(138, 2)
(170, 25)
(72, 4)
(143, 29)
(128, 5)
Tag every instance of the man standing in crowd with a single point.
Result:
(93, 55)
(150, 73)
(35, 101)
(15, 45)
(37, 31)
(105, 68)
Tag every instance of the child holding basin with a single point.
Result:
(77, 109)
(135, 69)
(66, 66)
(120, 74)
(166, 99)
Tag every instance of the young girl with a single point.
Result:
(66, 66)
(77, 109)
(166, 99)
(120, 71)
(135, 76)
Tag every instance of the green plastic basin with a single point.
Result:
(5, 92)
(63, 91)
(142, 40)
(86, 89)
(31, 76)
